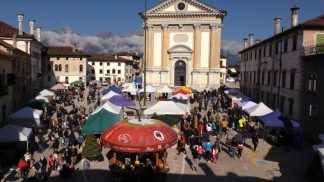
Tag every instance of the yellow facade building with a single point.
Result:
(183, 39)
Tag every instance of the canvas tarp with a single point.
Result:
(25, 117)
(246, 105)
(277, 119)
(258, 110)
(12, 133)
(46, 93)
(166, 107)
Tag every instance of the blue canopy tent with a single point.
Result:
(111, 88)
(120, 100)
(277, 119)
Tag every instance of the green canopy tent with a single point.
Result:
(99, 122)
(76, 82)
(168, 119)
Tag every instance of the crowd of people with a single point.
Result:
(214, 118)
(60, 132)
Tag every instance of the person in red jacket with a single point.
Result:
(200, 128)
(22, 167)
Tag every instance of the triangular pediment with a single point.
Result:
(173, 7)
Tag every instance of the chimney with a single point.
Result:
(38, 32)
(251, 39)
(20, 23)
(14, 41)
(74, 45)
(31, 26)
(257, 41)
(245, 43)
(294, 16)
(277, 23)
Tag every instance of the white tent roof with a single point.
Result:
(185, 107)
(259, 110)
(180, 96)
(247, 104)
(39, 97)
(12, 133)
(109, 107)
(59, 86)
(166, 107)
(149, 89)
(26, 113)
(46, 93)
(109, 95)
(131, 88)
(164, 89)
(238, 96)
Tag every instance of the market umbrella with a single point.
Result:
(168, 119)
(97, 123)
(113, 88)
(58, 87)
(186, 89)
(46, 93)
(181, 91)
(134, 136)
(120, 100)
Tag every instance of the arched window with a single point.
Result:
(55, 67)
(81, 68)
(66, 68)
(60, 67)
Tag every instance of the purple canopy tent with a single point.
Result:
(277, 119)
(120, 100)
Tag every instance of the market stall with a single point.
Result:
(25, 117)
(138, 147)
(167, 107)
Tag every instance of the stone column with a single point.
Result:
(197, 46)
(215, 43)
(150, 45)
(165, 47)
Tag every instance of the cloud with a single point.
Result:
(103, 42)
(110, 42)
(231, 46)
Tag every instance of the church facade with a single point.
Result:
(183, 39)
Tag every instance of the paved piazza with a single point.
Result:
(267, 164)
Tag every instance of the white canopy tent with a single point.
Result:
(258, 110)
(25, 117)
(39, 97)
(164, 89)
(247, 104)
(59, 86)
(46, 93)
(149, 89)
(180, 96)
(166, 107)
(131, 89)
(109, 95)
(109, 107)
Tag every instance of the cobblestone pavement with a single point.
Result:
(268, 163)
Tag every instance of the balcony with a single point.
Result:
(314, 50)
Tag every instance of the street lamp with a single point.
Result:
(145, 55)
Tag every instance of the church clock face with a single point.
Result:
(181, 6)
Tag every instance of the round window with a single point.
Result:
(181, 6)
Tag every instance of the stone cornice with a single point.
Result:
(184, 15)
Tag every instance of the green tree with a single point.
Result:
(91, 150)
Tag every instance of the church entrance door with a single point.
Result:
(180, 72)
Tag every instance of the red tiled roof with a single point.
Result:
(7, 30)
(65, 51)
(103, 57)
(317, 21)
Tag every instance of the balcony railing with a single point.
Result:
(314, 50)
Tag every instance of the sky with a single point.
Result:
(84, 20)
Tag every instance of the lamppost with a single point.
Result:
(145, 55)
